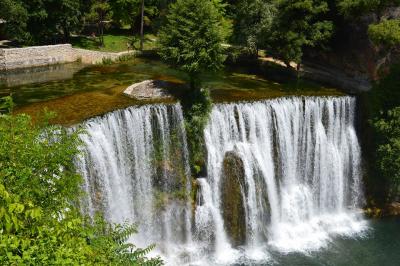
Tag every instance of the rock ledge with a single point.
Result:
(149, 90)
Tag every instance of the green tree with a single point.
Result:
(192, 40)
(252, 23)
(298, 24)
(383, 105)
(65, 14)
(125, 12)
(16, 17)
(388, 151)
(356, 8)
(51, 20)
(99, 13)
(192, 37)
(386, 33)
(40, 219)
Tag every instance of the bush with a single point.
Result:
(388, 151)
(40, 191)
(382, 148)
(385, 33)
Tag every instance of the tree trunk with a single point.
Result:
(141, 26)
(101, 31)
(67, 34)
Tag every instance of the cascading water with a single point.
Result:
(283, 175)
(301, 174)
(135, 166)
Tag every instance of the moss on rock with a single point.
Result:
(232, 191)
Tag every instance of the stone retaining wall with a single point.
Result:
(96, 57)
(2, 60)
(14, 58)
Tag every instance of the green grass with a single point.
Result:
(113, 42)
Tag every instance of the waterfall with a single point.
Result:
(283, 175)
(301, 173)
(135, 166)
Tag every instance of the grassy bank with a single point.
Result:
(114, 42)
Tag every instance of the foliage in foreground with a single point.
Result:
(40, 221)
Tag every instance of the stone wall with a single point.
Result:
(14, 58)
(96, 57)
(34, 56)
(2, 60)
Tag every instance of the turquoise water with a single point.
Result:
(379, 246)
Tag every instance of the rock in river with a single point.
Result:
(149, 90)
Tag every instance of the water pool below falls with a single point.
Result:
(293, 163)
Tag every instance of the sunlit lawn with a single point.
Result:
(113, 42)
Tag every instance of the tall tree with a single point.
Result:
(141, 25)
(356, 8)
(49, 19)
(252, 22)
(388, 151)
(69, 16)
(125, 12)
(100, 11)
(192, 40)
(192, 37)
(298, 24)
(15, 18)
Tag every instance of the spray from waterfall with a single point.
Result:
(297, 178)
(301, 172)
(135, 166)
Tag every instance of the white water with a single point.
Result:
(300, 155)
(133, 160)
(302, 173)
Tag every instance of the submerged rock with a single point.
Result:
(150, 89)
(232, 190)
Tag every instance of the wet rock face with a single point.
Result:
(232, 188)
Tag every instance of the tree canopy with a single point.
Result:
(298, 24)
(192, 37)
(252, 22)
(388, 157)
(386, 33)
(15, 17)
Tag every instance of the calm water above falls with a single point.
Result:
(299, 184)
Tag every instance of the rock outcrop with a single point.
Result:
(150, 90)
(353, 62)
(232, 201)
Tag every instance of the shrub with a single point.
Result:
(40, 191)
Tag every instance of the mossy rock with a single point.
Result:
(232, 201)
